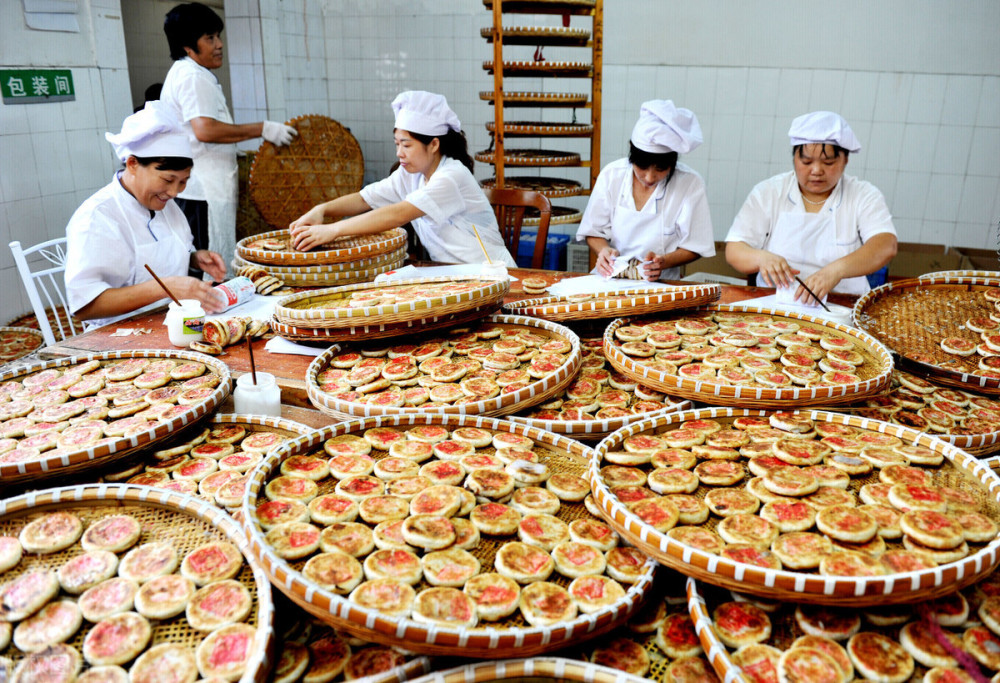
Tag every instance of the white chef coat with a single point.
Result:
(676, 215)
(854, 213)
(110, 239)
(193, 91)
(452, 202)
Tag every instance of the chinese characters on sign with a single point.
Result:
(33, 86)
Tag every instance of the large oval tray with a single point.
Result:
(539, 35)
(504, 638)
(550, 187)
(912, 316)
(534, 99)
(876, 369)
(521, 68)
(321, 163)
(542, 128)
(531, 669)
(75, 462)
(616, 305)
(503, 404)
(396, 256)
(183, 521)
(530, 157)
(958, 470)
(592, 428)
(17, 342)
(341, 250)
(294, 278)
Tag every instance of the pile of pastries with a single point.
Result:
(391, 295)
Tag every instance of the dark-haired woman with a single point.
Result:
(650, 208)
(832, 228)
(133, 221)
(433, 188)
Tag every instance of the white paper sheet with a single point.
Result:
(281, 345)
(596, 284)
(837, 314)
(455, 271)
(258, 307)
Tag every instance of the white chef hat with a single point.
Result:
(153, 131)
(823, 127)
(426, 113)
(662, 128)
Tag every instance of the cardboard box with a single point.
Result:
(914, 259)
(717, 265)
(977, 259)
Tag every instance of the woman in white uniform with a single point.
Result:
(433, 188)
(831, 228)
(133, 221)
(649, 207)
(193, 33)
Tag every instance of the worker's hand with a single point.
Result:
(305, 237)
(652, 266)
(278, 133)
(210, 262)
(313, 216)
(185, 287)
(821, 283)
(775, 271)
(606, 261)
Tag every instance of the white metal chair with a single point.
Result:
(46, 287)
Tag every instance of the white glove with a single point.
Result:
(278, 133)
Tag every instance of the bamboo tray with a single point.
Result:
(533, 669)
(397, 256)
(110, 450)
(539, 35)
(974, 442)
(183, 521)
(931, 309)
(536, 391)
(504, 638)
(18, 342)
(57, 315)
(530, 157)
(534, 99)
(959, 470)
(328, 279)
(341, 250)
(959, 274)
(174, 451)
(573, 69)
(874, 376)
(536, 128)
(321, 163)
(522, 5)
(561, 215)
(550, 187)
(626, 303)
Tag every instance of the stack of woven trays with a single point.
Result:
(346, 260)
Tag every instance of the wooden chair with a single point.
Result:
(509, 207)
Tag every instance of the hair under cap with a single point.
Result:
(425, 113)
(153, 131)
(663, 128)
(823, 127)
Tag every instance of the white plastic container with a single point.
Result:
(237, 291)
(497, 270)
(263, 398)
(185, 322)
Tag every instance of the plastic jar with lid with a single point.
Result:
(262, 398)
(185, 323)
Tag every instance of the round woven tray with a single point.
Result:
(183, 521)
(56, 315)
(505, 403)
(534, 128)
(323, 162)
(507, 637)
(959, 470)
(530, 157)
(156, 459)
(912, 316)
(542, 5)
(874, 373)
(580, 69)
(361, 264)
(550, 187)
(17, 342)
(533, 669)
(74, 463)
(308, 309)
(625, 303)
(561, 215)
(539, 35)
(341, 250)
(533, 99)
(952, 274)
(333, 278)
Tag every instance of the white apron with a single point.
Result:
(635, 233)
(808, 241)
(217, 171)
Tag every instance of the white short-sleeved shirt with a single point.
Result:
(858, 207)
(680, 208)
(193, 91)
(452, 202)
(111, 236)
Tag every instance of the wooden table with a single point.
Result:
(290, 370)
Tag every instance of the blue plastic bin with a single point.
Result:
(555, 251)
